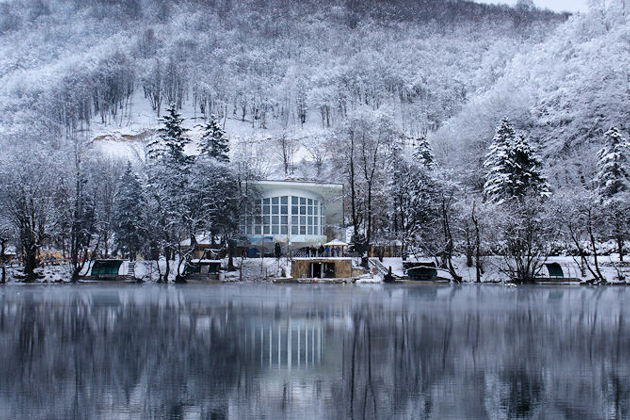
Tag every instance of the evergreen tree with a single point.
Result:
(498, 168)
(412, 190)
(168, 169)
(173, 136)
(174, 162)
(128, 214)
(213, 141)
(613, 175)
(423, 153)
(527, 178)
(513, 169)
(613, 186)
(413, 194)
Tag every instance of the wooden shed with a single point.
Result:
(321, 268)
(203, 269)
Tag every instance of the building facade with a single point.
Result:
(293, 214)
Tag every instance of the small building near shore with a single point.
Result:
(296, 215)
(200, 269)
(205, 247)
(321, 268)
(10, 254)
(106, 269)
(385, 250)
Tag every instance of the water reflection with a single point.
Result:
(236, 351)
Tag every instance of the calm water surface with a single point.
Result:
(324, 352)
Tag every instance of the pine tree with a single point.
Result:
(613, 186)
(513, 169)
(128, 213)
(213, 142)
(423, 153)
(168, 169)
(174, 163)
(173, 135)
(613, 176)
(527, 173)
(496, 187)
(412, 190)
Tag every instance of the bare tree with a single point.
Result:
(27, 203)
(287, 146)
(580, 214)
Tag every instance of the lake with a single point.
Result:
(249, 351)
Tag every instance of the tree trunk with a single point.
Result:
(353, 192)
(3, 278)
(448, 250)
(478, 270)
(595, 256)
(230, 266)
(469, 250)
(168, 265)
(30, 261)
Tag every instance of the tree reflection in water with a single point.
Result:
(252, 351)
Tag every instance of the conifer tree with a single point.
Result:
(513, 169)
(612, 183)
(169, 168)
(213, 141)
(423, 153)
(175, 163)
(173, 136)
(128, 213)
(613, 175)
(496, 187)
(527, 175)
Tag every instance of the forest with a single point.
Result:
(456, 128)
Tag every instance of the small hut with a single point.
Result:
(335, 248)
(203, 269)
(424, 271)
(106, 270)
(559, 272)
(321, 268)
(205, 247)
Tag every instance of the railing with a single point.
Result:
(374, 262)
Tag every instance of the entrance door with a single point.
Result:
(329, 270)
(316, 270)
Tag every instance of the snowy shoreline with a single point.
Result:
(274, 271)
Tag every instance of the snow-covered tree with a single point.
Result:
(128, 217)
(423, 153)
(613, 165)
(527, 174)
(497, 163)
(214, 142)
(525, 5)
(612, 183)
(413, 193)
(168, 169)
(513, 169)
(214, 199)
(26, 193)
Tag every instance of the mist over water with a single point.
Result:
(262, 351)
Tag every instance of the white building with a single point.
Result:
(294, 214)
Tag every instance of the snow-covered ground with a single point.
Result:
(267, 269)
(125, 138)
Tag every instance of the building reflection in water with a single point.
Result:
(253, 351)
